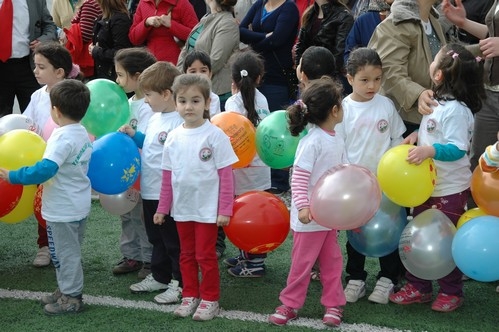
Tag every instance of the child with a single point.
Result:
(314, 63)
(317, 152)
(445, 135)
(370, 127)
(134, 246)
(53, 64)
(247, 71)
(156, 84)
(66, 197)
(198, 189)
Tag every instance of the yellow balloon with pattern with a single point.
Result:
(468, 215)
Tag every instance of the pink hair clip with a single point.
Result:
(302, 105)
(478, 59)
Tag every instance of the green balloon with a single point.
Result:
(108, 110)
(274, 143)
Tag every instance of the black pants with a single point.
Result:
(165, 259)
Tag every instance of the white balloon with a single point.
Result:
(17, 121)
(120, 203)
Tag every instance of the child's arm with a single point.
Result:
(299, 189)
(442, 152)
(137, 136)
(489, 160)
(165, 198)
(225, 195)
(36, 174)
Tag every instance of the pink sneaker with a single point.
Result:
(283, 314)
(409, 294)
(447, 303)
(332, 317)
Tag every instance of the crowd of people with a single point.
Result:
(362, 76)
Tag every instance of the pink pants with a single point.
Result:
(308, 247)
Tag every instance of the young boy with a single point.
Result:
(67, 196)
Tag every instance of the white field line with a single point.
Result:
(227, 314)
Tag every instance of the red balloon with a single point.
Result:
(11, 194)
(136, 185)
(260, 222)
(37, 207)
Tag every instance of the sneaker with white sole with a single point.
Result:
(42, 258)
(171, 295)
(355, 290)
(187, 307)
(207, 310)
(148, 285)
(382, 291)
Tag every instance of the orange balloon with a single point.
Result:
(485, 191)
(241, 133)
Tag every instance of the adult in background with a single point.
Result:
(63, 11)
(23, 25)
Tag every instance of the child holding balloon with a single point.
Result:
(445, 136)
(371, 126)
(198, 189)
(247, 70)
(156, 84)
(53, 64)
(317, 152)
(66, 194)
(134, 245)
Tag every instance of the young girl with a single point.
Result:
(198, 188)
(371, 126)
(53, 64)
(247, 71)
(136, 249)
(445, 135)
(317, 152)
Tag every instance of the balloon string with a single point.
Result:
(444, 211)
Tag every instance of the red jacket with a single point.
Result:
(79, 50)
(160, 40)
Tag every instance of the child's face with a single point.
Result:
(366, 83)
(128, 82)
(191, 106)
(434, 72)
(45, 73)
(198, 67)
(157, 101)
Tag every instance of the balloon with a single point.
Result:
(49, 127)
(241, 133)
(115, 164)
(485, 191)
(24, 208)
(109, 108)
(37, 207)
(475, 248)
(403, 183)
(19, 148)
(468, 215)
(260, 222)
(136, 184)
(11, 194)
(120, 203)
(11, 122)
(345, 197)
(381, 235)
(274, 143)
(425, 245)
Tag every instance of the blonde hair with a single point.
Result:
(158, 77)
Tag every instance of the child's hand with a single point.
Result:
(304, 216)
(127, 129)
(419, 154)
(4, 174)
(158, 219)
(411, 138)
(222, 220)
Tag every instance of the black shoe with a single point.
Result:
(275, 191)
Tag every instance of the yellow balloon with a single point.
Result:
(403, 183)
(24, 208)
(19, 148)
(468, 215)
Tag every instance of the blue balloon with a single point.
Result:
(115, 164)
(381, 235)
(475, 248)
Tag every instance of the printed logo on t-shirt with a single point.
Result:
(205, 154)
(133, 123)
(431, 125)
(382, 125)
(162, 137)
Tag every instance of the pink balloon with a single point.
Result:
(51, 125)
(345, 197)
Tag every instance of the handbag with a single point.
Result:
(291, 79)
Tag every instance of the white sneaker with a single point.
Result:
(171, 295)
(42, 257)
(355, 290)
(383, 289)
(147, 285)
(187, 307)
(206, 310)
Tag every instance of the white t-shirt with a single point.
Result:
(66, 196)
(317, 152)
(257, 175)
(214, 104)
(158, 129)
(450, 123)
(39, 109)
(194, 157)
(140, 112)
(369, 129)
